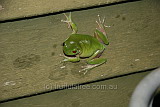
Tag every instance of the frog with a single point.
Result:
(83, 46)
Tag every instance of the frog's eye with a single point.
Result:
(74, 51)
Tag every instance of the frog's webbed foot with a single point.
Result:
(101, 25)
(70, 23)
(100, 32)
(85, 69)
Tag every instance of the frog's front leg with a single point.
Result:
(70, 23)
(71, 59)
(100, 32)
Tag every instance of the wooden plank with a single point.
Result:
(13, 9)
(29, 49)
(109, 93)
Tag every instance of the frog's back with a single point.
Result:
(88, 44)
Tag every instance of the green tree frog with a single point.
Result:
(78, 46)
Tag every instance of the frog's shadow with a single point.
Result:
(60, 71)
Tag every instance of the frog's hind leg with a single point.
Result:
(70, 23)
(92, 64)
(94, 61)
(100, 32)
(99, 54)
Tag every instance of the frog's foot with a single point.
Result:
(92, 64)
(70, 23)
(88, 67)
(101, 26)
(100, 32)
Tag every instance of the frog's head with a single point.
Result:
(70, 48)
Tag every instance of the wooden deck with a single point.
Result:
(29, 49)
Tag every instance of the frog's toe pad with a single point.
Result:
(85, 69)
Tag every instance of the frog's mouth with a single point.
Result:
(75, 54)
(69, 55)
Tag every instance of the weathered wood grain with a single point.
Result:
(29, 49)
(13, 9)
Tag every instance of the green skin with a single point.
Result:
(85, 46)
